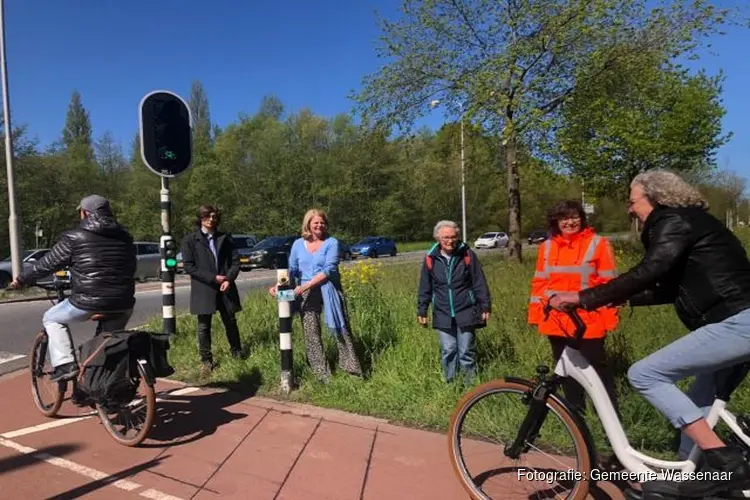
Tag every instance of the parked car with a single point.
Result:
(537, 237)
(243, 242)
(492, 240)
(345, 252)
(27, 258)
(373, 247)
(271, 253)
(149, 260)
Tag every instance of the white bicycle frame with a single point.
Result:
(572, 364)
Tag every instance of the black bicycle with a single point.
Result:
(128, 418)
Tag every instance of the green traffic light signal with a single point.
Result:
(171, 262)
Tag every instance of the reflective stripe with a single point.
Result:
(541, 274)
(534, 300)
(585, 270)
(608, 274)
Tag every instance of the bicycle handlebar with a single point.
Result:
(571, 311)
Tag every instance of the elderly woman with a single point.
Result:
(574, 258)
(693, 261)
(452, 281)
(314, 268)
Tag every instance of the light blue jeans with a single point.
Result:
(702, 353)
(457, 348)
(56, 320)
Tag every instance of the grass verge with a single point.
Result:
(401, 358)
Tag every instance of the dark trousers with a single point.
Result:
(204, 331)
(593, 351)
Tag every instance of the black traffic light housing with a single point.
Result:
(166, 133)
(169, 249)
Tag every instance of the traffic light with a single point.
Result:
(166, 134)
(170, 252)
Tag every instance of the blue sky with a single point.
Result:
(310, 54)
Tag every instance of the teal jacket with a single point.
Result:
(455, 290)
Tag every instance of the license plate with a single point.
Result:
(61, 274)
(285, 295)
(244, 259)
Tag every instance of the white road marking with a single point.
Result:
(71, 466)
(160, 396)
(6, 357)
(157, 495)
(94, 474)
(45, 426)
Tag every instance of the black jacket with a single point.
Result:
(199, 262)
(454, 290)
(102, 262)
(691, 260)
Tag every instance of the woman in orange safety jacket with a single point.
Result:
(574, 258)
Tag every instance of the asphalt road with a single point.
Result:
(21, 321)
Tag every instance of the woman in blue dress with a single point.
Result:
(314, 271)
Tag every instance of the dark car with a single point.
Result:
(537, 237)
(373, 246)
(271, 253)
(345, 252)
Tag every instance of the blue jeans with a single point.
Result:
(703, 353)
(457, 348)
(56, 320)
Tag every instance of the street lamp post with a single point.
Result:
(15, 246)
(434, 104)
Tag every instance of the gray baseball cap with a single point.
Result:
(94, 203)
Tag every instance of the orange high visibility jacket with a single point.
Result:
(562, 265)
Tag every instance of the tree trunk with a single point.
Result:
(514, 200)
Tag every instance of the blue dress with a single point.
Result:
(304, 265)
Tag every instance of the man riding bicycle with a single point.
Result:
(102, 262)
(695, 262)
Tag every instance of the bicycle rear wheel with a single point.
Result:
(488, 418)
(129, 423)
(48, 396)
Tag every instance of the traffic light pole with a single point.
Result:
(167, 271)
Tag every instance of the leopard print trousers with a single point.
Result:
(310, 308)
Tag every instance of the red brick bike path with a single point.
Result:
(210, 443)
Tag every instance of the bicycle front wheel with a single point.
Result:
(48, 396)
(555, 463)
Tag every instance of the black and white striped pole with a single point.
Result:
(285, 298)
(168, 252)
(166, 149)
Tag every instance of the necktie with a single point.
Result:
(212, 246)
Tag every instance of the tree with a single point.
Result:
(645, 114)
(510, 65)
(109, 154)
(76, 135)
(198, 102)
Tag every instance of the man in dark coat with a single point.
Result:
(102, 262)
(210, 258)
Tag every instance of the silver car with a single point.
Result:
(27, 259)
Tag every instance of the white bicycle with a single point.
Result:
(484, 430)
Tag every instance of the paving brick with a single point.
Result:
(336, 455)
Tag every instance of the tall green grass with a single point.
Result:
(401, 358)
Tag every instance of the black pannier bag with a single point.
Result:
(108, 364)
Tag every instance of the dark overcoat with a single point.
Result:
(198, 261)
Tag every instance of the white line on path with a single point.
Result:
(82, 470)
(94, 474)
(6, 357)
(162, 396)
(45, 426)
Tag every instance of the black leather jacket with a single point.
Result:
(691, 260)
(102, 263)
